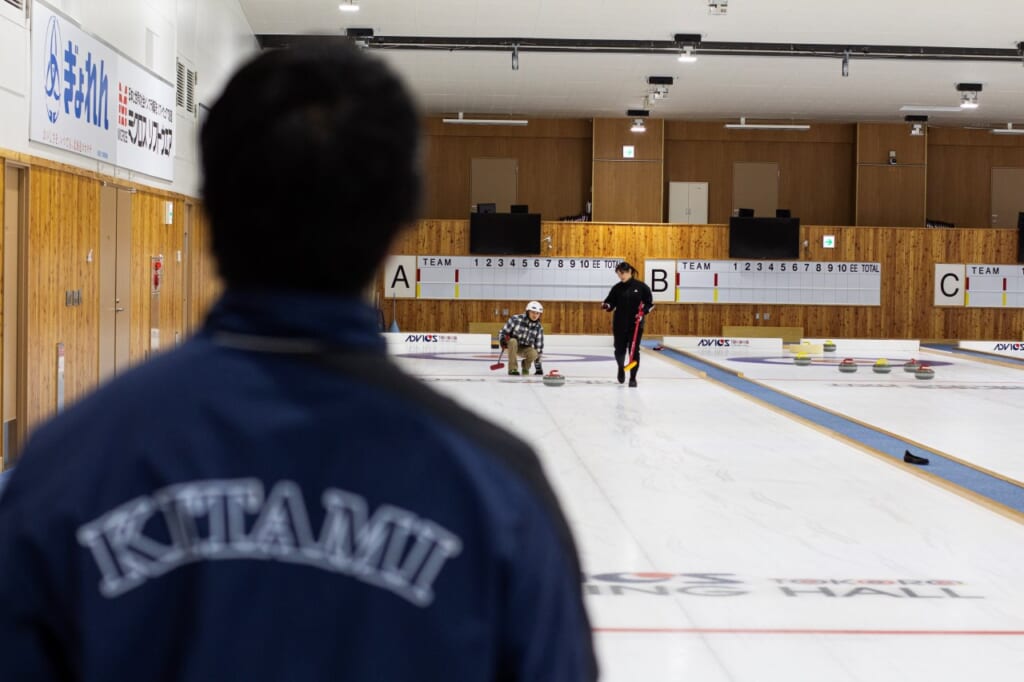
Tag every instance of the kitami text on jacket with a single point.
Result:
(214, 520)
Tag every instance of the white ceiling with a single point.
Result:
(716, 87)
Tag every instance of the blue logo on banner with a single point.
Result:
(83, 88)
(52, 84)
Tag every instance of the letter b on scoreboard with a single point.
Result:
(660, 276)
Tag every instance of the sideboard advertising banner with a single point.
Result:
(89, 99)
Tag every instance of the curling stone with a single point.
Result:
(910, 365)
(924, 372)
(553, 378)
(881, 366)
(802, 359)
(848, 366)
(829, 347)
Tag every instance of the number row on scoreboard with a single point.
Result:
(517, 277)
(691, 266)
(606, 265)
(489, 292)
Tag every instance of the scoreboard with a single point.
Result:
(582, 278)
(545, 278)
(976, 285)
(795, 282)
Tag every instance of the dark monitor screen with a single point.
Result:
(486, 208)
(504, 233)
(764, 238)
(1020, 237)
(519, 208)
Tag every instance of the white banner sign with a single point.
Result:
(717, 343)
(89, 99)
(1011, 349)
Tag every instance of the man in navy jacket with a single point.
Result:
(275, 500)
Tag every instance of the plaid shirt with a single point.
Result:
(525, 331)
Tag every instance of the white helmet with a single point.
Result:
(534, 306)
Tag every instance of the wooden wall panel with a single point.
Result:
(875, 140)
(150, 238)
(628, 191)
(816, 167)
(611, 134)
(63, 228)
(907, 256)
(891, 195)
(206, 285)
(554, 165)
(960, 164)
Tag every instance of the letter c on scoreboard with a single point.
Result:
(949, 285)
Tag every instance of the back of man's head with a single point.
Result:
(310, 168)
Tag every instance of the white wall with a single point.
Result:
(211, 36)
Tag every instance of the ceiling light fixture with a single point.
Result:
(348, 6)
(638, 126)
(688, 43)
(929, 108)
(846, 64)
(515, 57)
(968, 100)
(743, 125)
(485, 121)
(1008, 130)
(917, 124)
(968, 94)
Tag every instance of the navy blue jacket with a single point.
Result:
(274, 500)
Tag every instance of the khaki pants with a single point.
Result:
(528, 354)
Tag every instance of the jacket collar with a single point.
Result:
(333, 320)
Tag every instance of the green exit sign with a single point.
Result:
(828, 241)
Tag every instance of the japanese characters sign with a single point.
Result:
(89, 99)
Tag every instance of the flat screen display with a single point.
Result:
(504, 233)
(777, 238)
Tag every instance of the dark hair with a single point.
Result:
(625, 267)
(310, 168)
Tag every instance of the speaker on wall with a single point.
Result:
(1020, 237)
